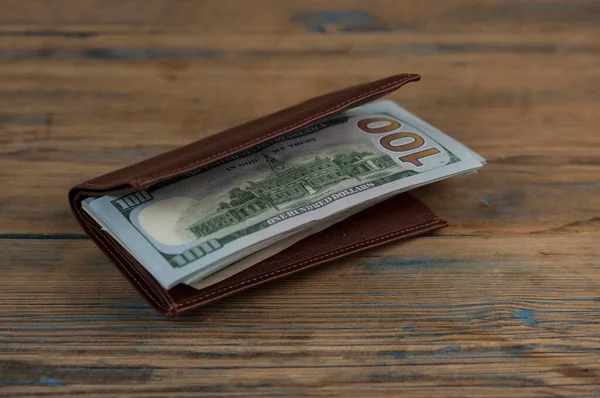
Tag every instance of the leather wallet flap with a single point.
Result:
(200, 153)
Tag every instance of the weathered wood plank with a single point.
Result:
(104, 114)
(420, 317)
(96, 86)
(277, 17)
(504, 302)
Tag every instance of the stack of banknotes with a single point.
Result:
(214, 222)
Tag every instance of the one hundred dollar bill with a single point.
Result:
(191, 227)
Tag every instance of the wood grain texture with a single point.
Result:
(419, 318)
(504, 302)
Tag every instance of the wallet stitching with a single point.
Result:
(158, 175)
(135, 281)
(291, 267)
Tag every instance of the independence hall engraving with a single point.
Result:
(286, 184)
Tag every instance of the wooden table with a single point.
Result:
(504, 302)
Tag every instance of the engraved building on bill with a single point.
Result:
(286, 184)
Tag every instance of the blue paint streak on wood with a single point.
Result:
(51, 381)
(519, 349)
(345, 21)
(393, 354)
(457, 351)
(479, 314)
(297, 53)
(485, 202)
(526, 316)
(391, 261)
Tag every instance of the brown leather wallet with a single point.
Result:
(397, 218)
